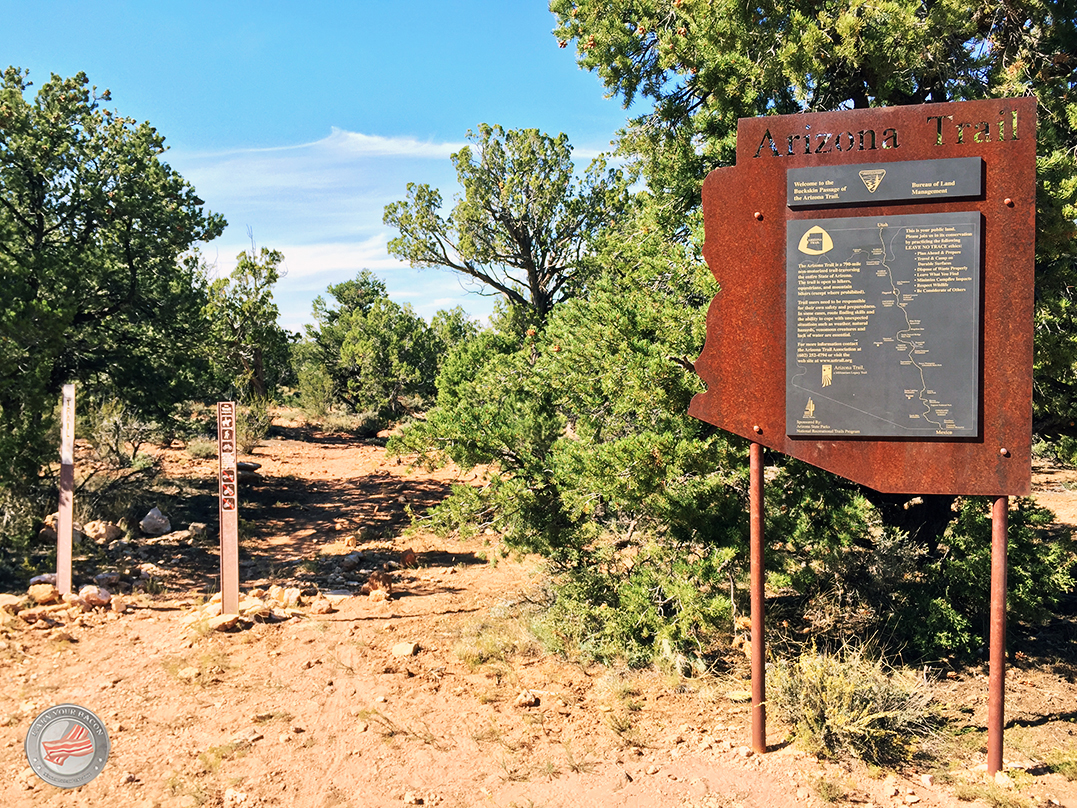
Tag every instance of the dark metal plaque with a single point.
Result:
(883, 326)
(748, 222)
(875, 183)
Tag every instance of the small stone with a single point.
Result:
(223, 622)
(188, 674)
(652, 769)
(10, 603)
(59, 635)
(1003, 780)
(43, 594)
(291, 597)
(405, 649)
(94, 596)
(927, 779)
(411, 798)
(744, 751)
(527, 699)
(378, 596)
(321, 606)
(155, 523)
(118, 604)
(911, 799)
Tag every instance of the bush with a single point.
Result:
(316, 391)
(662, 604)
(851, 704)
(252, 424)
(116, 432)
(202, 448)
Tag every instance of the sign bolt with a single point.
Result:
(1007, 202)
(757, 429)
(1004, 452)
(759, 215)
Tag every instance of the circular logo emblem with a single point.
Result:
(67, 746)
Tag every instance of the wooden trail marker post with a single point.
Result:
(229, 510)
(65, 514)
(874, 316)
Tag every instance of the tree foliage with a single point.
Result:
(380, 356)
(99, 282)
(695, 67)
(249, 349)
(522, 226)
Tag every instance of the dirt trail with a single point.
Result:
(327, 710)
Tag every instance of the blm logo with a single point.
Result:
(67, 746)
(872, 178)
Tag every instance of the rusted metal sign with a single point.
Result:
(875, 311)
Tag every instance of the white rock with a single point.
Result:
(155, 523)
(94, 596)
(405, 649)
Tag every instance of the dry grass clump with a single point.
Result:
(850, 703)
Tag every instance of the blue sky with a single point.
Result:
(301, 121)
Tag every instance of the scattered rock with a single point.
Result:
(43, 594)
(233, 797)
(378, 580)
(188, 674)
(94, 596)
(527, 699)
(223, 622)
(47, 578)
(155, 523)
(118, 604)
(409, 559)
(321, 606)
(927, 779)
(411, 798)
(405, 649)
(1003, 780)
(10, 603)
(911, 799)
(744, 751)
(378, 596)
(102, 532)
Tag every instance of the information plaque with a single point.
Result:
(883, 326)
(875, 183)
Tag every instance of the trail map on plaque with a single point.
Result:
(883, 326)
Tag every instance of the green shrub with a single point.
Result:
(316, 391)
(202, 448)
(252, 424)
(851, 704)
(659, 604)
(116, 432)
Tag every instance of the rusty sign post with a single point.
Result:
(874, 316)
(65, 515)
(229, 496)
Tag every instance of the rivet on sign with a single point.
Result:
(1007, 202)
(759, 215)
(758, 429)
(1004, 452)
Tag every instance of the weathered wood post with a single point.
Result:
(65, 515)
(229, 509)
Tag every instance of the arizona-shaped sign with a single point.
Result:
(876, 274)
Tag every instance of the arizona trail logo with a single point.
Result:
(67, 746)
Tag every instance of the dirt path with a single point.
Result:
(332, 709)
